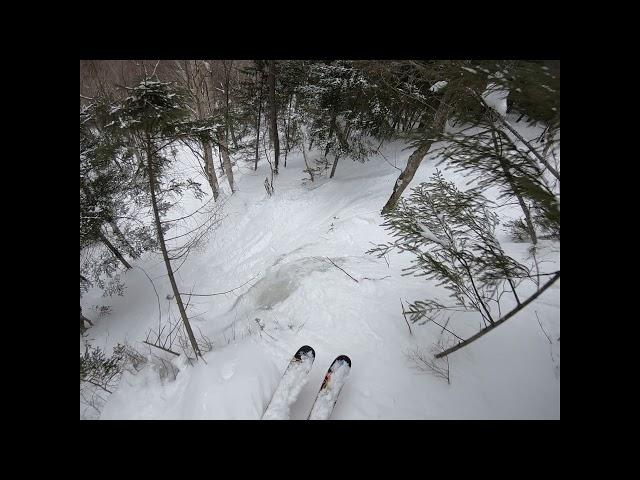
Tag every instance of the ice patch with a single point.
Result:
(281, 281)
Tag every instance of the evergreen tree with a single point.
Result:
(154, 117)
(108, 197)
(451, 234)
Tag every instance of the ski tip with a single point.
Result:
(343, 358)
(305, 350)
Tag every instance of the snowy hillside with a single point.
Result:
(284, 251)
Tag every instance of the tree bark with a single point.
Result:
(165, 255)
(416, 157)
(224, 151)
(113, 249)
(343, 142)
(274, 114)
(209, 168)
(222, 172)
(331, 128)
(333, 167)
(501, 321)
(258, 126)
(286, 133)
(304, 154)
(229, 129)
(118, 233)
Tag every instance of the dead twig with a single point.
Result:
(162, 348)
(214, 294)
(543, 331)
(332, 263)
(405, 317)
(381, 278)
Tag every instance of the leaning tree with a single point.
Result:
(154, 116)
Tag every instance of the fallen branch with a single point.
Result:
(214, 294)
(341, 269)
(162, 348)
(381, 278)
(500, 321)
(405, 317)
(543, 331)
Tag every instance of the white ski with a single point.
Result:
(294, 378)
(331, 386)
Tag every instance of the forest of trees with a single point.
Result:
(134, 114)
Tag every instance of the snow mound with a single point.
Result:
(496, 98)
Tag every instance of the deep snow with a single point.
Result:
(281, 246)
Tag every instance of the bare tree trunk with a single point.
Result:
(209, 168)
(333, 167)
(416, 157)
(286, 133)
(274, 114)
(222, 172)
(343, 141)
(304, 154)
(113, 249)
(258, 126)
(331, 128)
(229, 127)
(165, 255)
(224, 151)
(484, 331)
(118, 233)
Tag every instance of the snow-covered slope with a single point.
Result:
(284, 246)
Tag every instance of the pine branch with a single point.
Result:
(500, 321)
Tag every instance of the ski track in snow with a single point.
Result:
(296, 297)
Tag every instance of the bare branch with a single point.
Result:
(341, 269)
(218, 293)
(162, 348)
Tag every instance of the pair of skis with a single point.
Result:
(295, 377)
